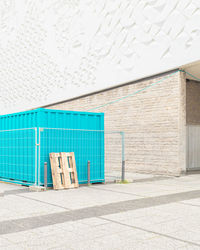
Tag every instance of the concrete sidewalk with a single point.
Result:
(158, 213)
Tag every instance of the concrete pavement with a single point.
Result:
(158, 213)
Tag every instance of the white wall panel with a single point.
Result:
(193, 147)
(52, 50)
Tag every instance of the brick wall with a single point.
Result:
(193, 102)
(153, 122)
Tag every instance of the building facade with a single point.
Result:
(79, 55)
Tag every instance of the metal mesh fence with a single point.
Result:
(100, 150)
(23, 153)
(114, 156)
(88, 145)
(18, 154)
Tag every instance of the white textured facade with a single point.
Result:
(53, 50)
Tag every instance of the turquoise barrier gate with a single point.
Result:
(18, 156)
(23, 153)
(87, 145)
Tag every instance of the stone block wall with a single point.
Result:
(153, 121)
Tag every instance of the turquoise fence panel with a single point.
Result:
(18, 155)
(86, 144)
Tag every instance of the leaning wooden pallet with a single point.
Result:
(63, 168)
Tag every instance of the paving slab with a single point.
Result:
(82, 197)
(158, 213)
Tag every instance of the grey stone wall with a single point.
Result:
(193, 102)
(153, 122)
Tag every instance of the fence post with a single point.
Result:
(88, 168)
(123, 157)
(36, 158)
(45, 174)
(39, 156)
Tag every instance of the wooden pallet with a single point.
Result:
(63, 168)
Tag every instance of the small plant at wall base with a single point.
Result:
(124, 182)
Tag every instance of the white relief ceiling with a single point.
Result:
(58, 49)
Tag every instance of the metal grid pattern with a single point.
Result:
(114, 156)
(88, 145)
(24, 152)
(18, 155)
(102, 150)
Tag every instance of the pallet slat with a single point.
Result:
(65, 166)
(64, 173)
(55, 170)
(73, 166)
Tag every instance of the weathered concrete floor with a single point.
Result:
(151, 214)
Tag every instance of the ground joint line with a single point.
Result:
(149, 231)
